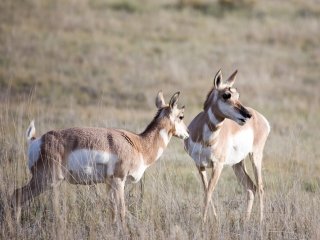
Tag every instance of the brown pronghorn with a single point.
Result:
(224, 134)
(99, 155)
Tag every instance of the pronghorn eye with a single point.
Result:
(226, 96)
(181, 117)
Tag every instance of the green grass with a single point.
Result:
(101, 63)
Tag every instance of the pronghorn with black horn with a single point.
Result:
(224, 133)
(99, 155)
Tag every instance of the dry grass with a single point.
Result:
(100, 63)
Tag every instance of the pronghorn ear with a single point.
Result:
(232, 78)
(160, 100)
(174, 100)
(217, 79)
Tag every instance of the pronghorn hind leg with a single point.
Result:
(256, 158)
(203, 174)
(216, 172)
(247, 183)
(112, 201)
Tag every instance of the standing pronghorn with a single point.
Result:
(99, 155)
(224, 134)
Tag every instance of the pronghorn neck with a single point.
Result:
(155, 139)
(211, 128)
(214, 121)
(159, 134)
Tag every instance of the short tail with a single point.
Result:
(31, 132)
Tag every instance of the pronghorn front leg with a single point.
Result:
(216, 172)
(203, 174)
(111, 200)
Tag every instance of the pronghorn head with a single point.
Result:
(223, 100)
(172, 113)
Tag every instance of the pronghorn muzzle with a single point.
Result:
(246, 115)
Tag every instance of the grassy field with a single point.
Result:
(101, 63)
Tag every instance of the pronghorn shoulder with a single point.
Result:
(129, 137)
(259, 120)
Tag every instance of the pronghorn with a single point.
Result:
(99, 155)
(224, 134)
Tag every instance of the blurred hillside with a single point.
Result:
(119, 53)
(109, 55)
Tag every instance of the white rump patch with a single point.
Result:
(34, 152)
(91, 165)
(165, 136)
(31, 131)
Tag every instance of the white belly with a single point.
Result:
(90, 166)
(239, 147)
(34, 152)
